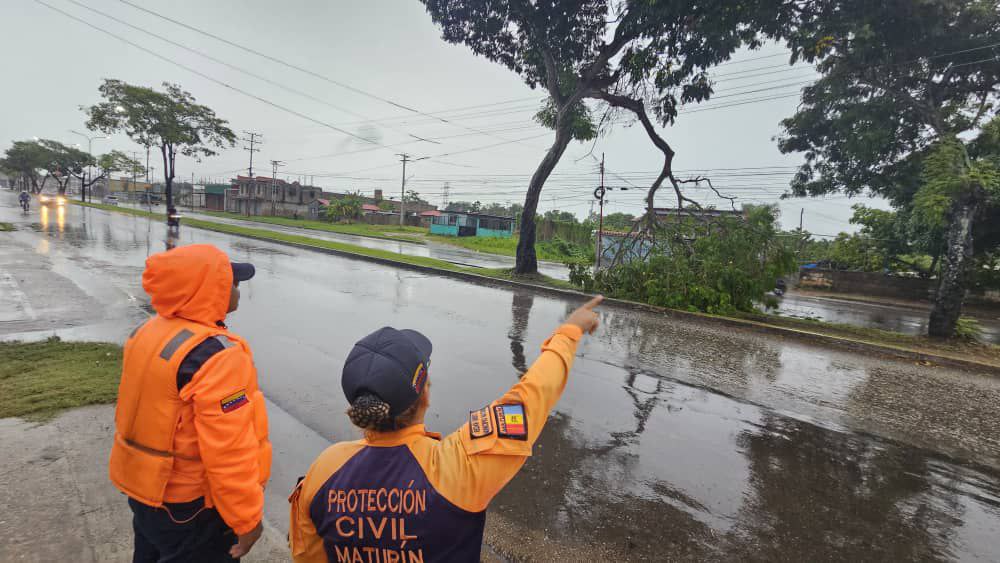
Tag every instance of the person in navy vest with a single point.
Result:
(403, 494)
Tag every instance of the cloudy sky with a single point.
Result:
(374, 79)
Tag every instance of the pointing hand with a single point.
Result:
(585, 317)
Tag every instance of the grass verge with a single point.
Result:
(39, 379)
(387, 232)
(983, 352)
(547, 250)
(5, 227)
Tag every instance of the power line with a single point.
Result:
(203, 75)
(297, 67)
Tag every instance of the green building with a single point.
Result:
(461, 224)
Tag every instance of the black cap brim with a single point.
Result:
(242, 271)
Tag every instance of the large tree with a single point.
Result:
(106, 164)
(30, 160)
(901, 81)
(63, 162)
(625, 53)
(170, 120)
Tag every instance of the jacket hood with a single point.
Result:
(190, 282)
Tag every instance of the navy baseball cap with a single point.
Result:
(242, 271)
(389, 363)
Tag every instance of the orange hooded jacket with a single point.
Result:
(207, 438)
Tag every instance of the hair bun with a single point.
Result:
(370, 412)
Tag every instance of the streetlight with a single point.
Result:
(90, 140)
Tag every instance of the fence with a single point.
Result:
(547, 229)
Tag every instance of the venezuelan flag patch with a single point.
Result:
(234, 401)
(511, 422)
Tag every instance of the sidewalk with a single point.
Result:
(58, 502)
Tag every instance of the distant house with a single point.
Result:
(215, 197)
(427, 217)
(631, 246)
(317, 209)
(461, 224)
(262, 195)
(369, 208)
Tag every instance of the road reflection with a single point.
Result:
(520, 310)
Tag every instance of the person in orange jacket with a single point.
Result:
(191, 447)
(403, 494)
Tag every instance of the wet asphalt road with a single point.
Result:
(674, 440)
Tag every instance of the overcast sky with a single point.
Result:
(485, 142)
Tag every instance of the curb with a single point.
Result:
(843, 343)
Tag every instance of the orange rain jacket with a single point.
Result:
(408, 495)
(208, 438)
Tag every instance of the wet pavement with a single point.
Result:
(674, 440)
(898, 318)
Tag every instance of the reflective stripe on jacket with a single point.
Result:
(408, 495)
(208, 438)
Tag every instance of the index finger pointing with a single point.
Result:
(594, 302)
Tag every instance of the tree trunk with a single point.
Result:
(527, 262)
(954, 269)
(168, 184)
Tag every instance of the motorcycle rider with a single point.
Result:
(23, 198)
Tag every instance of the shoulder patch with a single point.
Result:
(511, 422)
(480, 423)
(234, 401)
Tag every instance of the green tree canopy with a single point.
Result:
(29, 160)
(624, 53)
(901, 83)
(347, 208)
(170, 120)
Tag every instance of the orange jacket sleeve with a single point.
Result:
(469, 471)
(223, 419)
(303, 539)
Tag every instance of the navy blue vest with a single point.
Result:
(380, 508)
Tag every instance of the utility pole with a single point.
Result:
(135, 158)
(601, 190)
(253, 138)
(802, 238)
(402, 192)
(404, 158)
(274, 180)
(445, 193)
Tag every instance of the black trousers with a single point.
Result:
(185, 531)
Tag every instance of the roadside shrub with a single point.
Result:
(580, 275)
(968, 329)
(720, 266)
